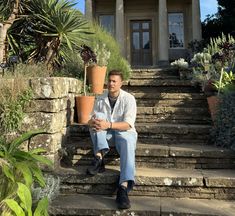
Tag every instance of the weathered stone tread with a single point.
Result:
(81, 204)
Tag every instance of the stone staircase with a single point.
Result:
(178, 171)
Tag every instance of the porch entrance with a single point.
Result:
(141, 42)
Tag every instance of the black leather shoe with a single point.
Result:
(122, 198)
(97, 166)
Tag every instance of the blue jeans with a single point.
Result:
(125, 143)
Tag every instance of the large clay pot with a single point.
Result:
(96, 78)
(84, 106)
(213, 103)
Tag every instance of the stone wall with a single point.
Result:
(52, 110)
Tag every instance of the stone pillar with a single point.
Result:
(163, 38)
(196, 22)
(120, 37)
(89, 9)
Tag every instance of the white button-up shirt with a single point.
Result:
(124, 109)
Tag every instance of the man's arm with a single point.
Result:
(100, 124)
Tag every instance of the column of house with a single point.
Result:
(163, 41)
(120, 37)
(196, 22)
(89, 9)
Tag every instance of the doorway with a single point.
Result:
(141, 42)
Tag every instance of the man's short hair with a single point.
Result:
(116, 72)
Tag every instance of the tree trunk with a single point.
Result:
(4, 26)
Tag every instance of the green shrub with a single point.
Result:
(116, 61)
(13, 98)
(223, 132)
(22, 70)
(19, 170)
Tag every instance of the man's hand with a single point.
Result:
(98, 124)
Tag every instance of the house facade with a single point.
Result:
(150, 32)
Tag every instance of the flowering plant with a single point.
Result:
(102, 55)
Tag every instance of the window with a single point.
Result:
(107, 21)
(176, 30)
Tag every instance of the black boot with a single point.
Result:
(97, 166)
(122, 198)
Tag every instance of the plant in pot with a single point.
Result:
(214, 72)
(97, 68)
(85, 103)
(183, 68)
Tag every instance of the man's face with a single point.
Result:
(114, 83)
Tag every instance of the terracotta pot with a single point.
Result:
(84, 105)
(96, 78)
(213, 102)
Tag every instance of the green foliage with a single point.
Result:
(25, 206)
(116, 61)
(23, 70)
(45, 30)
(226, 79)
(51, 189)
(18, 171)
(223, 132)
(13, 100)
(215, 64)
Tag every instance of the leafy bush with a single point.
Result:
(223, 133)
(22, 70)
(13, 98)
(116, 61)
(18, 172)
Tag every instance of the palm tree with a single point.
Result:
(46, 30)
(9, 10)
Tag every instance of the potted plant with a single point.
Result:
(97, 68)
(214, 71)
(85, 103)
(183, 68)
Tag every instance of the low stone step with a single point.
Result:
(171, 102)
(202, 111)
(173, 119)
(159, 82)
(159, 132)
(86, 204)
(185, 156)
(165, 96)
(160, 70)
(160, 89)
(177, 183)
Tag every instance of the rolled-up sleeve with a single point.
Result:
(130, 111)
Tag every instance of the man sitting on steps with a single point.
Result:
(114, 120)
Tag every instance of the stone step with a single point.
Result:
(86, 204)
(189, 111)
(176, 183)
(170, 102)
(161, 89)
(173, 119)
(165, 96)
(160, 71)
(160, 82)
(159, 132)
(185, 156)
(174, 115)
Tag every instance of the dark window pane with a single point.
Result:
(135, 26)
(146, 40)
(145, 25)
(176, 30)
(107, 21)
(136, 40)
